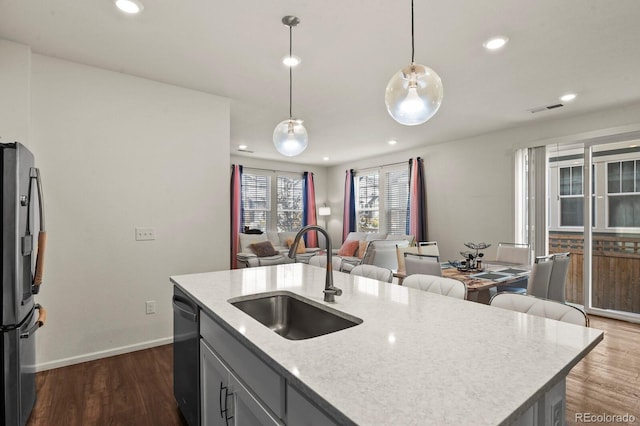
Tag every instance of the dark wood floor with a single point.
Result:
(137, 388)
(130, 389)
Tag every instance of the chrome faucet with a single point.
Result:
(329, 290)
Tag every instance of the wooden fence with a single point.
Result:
(615, 266)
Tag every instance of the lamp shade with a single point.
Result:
(413, 95)
(324, 211)
(290, 137)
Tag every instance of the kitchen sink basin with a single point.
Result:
(292, 316)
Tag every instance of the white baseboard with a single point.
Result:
(102, 354)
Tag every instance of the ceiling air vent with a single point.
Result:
(544, 108)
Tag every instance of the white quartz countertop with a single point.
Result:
(417, 358)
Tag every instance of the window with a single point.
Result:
(623, 194)
(571, 197)
(290, 203)
(571, 213)
(615, 190)
(381, 200)
(256, 201)
(272, 200)
(397, 191)
(367, 210)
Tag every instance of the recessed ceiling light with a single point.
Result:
(242, 147)
(325, 158)
(291, 61)
(130, 6)
(392, 142)
(568, 97)
(495, 43)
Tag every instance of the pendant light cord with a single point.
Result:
(291, 70)
(412, 42)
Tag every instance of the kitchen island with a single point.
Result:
(416, 358)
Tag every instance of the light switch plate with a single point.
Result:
(145, 234)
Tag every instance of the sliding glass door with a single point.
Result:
(566, 218)
(604, 275)
(615, 240)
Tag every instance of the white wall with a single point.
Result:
(470, 182)
(15, 62)
(118, 152)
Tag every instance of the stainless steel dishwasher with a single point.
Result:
(186, 357)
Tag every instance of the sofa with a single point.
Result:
(247, 258)
(373, 248)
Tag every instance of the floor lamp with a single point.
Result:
(325, 212)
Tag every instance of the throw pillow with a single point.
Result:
(301, 249)
(349, 248)
(263, 249)
(362, 247)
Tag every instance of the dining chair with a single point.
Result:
(557, 280)
(540, 307)
(428, 247)
(321, 261)
(372, 271)
(439, 285)
(516, 253)
(538, 284)
(400, 251)
(422, 264)
(382, 253)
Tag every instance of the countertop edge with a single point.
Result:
(298, 384)
(562, 374)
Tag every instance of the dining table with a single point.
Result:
(479, 282)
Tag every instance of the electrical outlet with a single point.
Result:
(145, 234)
(150, 306)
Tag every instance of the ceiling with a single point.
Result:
(349, 52)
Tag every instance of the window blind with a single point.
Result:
(290, 203)
(397, 197)
(256, 201)
(368, 200)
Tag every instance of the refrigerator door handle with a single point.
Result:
(191, 314)
(42, 235)
(42, 318)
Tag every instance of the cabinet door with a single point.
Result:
(248, 411)
(215, 397)
(225, 401)
(301, 412)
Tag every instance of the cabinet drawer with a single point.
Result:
(260, 378)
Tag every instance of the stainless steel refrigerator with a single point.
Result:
(21, 206)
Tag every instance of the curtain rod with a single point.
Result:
(270, 170)
(385, 165)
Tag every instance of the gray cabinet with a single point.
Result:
(225, 400)
(214, 383)
(300, 411)
(238, 388)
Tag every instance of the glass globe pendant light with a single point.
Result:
(414, 93)
(290, 137)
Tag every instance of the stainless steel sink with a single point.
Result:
(292, 316)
